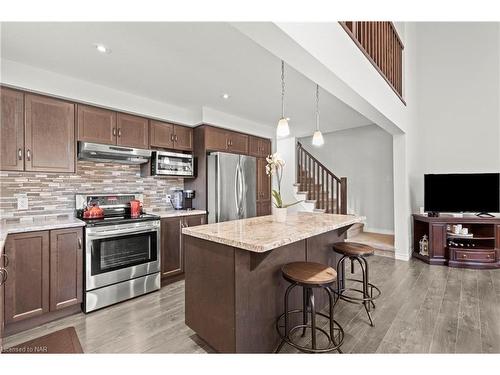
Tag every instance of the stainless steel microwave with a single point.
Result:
(165, 163)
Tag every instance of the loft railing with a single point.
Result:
(321, 185)
(380, 43)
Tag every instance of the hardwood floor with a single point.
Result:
(422, 309)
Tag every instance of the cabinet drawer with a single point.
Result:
(475, 256)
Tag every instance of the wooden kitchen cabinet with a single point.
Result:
(3, 267)
(132, 131)
(96, 125)
(172, 252)
(259, 147)
(49, 134)
(263, 189)
(12, 130)
(27, 286)
(66, 256)
(170, 136)
(215, 139)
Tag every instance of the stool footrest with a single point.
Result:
(359, 300)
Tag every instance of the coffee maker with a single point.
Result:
(176, 199)
(188, 199)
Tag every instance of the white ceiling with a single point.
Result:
(187, 64)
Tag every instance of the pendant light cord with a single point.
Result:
(282, 89)
(317, 107)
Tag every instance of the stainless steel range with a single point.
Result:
(122, 252)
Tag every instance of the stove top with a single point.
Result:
(124, 219)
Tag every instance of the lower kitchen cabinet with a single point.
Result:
(45, 276)
(27, 287)
(172, 252)
(66, 268)
(4, 265)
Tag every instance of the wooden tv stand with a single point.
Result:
(480, 251)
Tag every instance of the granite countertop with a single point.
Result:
(175, 213)
(33, 224)
(261, 234)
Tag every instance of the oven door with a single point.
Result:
(117, 253)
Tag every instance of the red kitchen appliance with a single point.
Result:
(94, 212)
(135, 208)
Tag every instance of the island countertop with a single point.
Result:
(261, 234)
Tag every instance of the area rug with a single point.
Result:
(64, 341)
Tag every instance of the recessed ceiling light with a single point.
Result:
(225, 96)
(102, 48)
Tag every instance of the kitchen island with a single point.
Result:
(234, 287)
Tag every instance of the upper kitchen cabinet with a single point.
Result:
(217, 139)
(132, 131)
(49, 134)
(259, 147)
(170, 136)
(96, 125)
(12, 130)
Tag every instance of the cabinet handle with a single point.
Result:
(464, 256)
(79, 243)
(172, 137)
(6, 262)
(5, 275)
(176, 138)
(119, 132)
(488, 256)
(28, 154)
(20, 154)
(114, 132)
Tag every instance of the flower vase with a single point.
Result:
(280, 214)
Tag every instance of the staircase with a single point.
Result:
(317, 186)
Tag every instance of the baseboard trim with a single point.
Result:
(378, 230)
(402, 256)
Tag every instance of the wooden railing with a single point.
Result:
(381, 44)
(321, 185)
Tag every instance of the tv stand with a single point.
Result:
(484, 214)
(481, 250)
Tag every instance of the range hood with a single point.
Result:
(112, 154)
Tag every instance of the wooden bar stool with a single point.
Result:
(310, 276)
(355, 252)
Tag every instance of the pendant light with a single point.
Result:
(317, 137)
(283, 129)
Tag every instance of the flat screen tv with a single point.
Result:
(474, 192)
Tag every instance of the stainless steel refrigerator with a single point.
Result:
(231, 187)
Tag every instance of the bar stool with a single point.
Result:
(355, 252)
(310, 276)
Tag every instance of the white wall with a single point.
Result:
(38, 80)
(457, 121)
(364, 156)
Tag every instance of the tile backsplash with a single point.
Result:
(53, 193)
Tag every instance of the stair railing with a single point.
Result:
(328, 190)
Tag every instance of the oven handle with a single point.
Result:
(112, 233)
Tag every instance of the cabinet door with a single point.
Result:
(254, 146)
(215, 139)
(194, 220)
(183, 138)
(263, 208)
(12, 130)
(162, 134)
(238, 143)
(438, 241)
(3, 267)
(65, 268)
(132, 131)
(263, 181)
(50, 134)
(27, 287)
(96, 125)
(265, 147)
(171, 256)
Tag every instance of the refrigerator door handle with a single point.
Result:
(242, 190)
(236, 189)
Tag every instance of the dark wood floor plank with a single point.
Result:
(422, 329)
(468, 310)
(445, 331)
(469, 324)
(489, 312)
